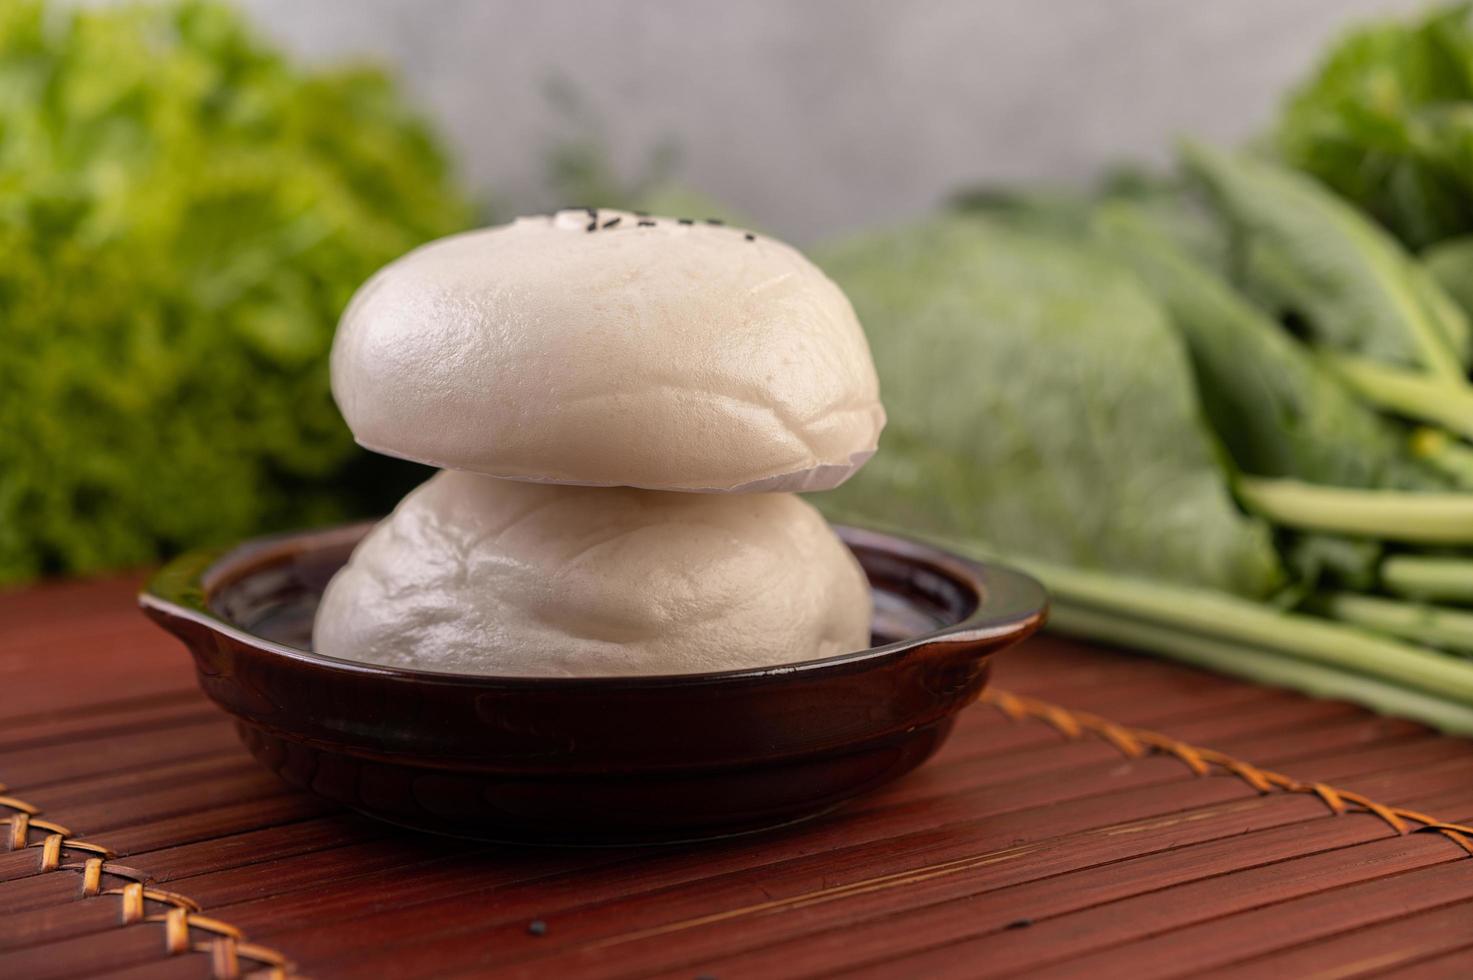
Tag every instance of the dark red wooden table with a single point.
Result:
(1111, 816)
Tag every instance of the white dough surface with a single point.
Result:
(472, 574)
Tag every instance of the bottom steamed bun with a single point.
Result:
(472, 574)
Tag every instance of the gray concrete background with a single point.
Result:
(819, 116)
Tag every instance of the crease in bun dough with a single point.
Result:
(647, 353)
(472, 574)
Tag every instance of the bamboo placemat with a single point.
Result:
(1102, 814)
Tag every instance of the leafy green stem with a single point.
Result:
(1413, 394)
(1229, 618)
(1450, 629)
(1445, 453)
(1220, 616)
(1265, 667)
(1392, 515)
(1429, 577)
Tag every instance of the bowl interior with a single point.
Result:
(271, 588)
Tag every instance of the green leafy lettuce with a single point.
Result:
(1314, 257)
(183, 214)
(1040, 406)
(1277, 408)
(1043, 410)
(1387, 121)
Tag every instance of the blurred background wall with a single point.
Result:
(823, 116)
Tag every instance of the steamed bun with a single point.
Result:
(478, 575)
(648, 352)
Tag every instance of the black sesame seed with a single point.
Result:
(537, 928)
(1020, 924)
(750, 237)
(592, 226)
(646, 223)
(715, 221)
(611, 222)
(685, 221)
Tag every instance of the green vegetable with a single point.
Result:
(1039, 403)
(1448, 629)
(1042, 413)
(1230, 618)
(1331, 559)
(1451, 266)
(1387, 121)
(1445, 454)
(1263, 665)
(1278, 411)
(1408, 393)
(1431, 578)
(1030, 208)
(1240, 636)
(182, 216)
(1164, 201)
(1421, 518)
(1317, 258)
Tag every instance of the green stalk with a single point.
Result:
(1437, 626)
(1393, 515)
(1445, 453)
(1262, 667)
(1220, 616)
(1298, 639)
(1225, 617)
(1429, 578)
(1414, 394)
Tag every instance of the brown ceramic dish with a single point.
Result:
(595, 759)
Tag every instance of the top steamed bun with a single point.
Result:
(646, 353)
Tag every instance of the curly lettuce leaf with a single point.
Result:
(183, 214)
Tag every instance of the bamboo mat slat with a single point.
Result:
(1102, 814)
